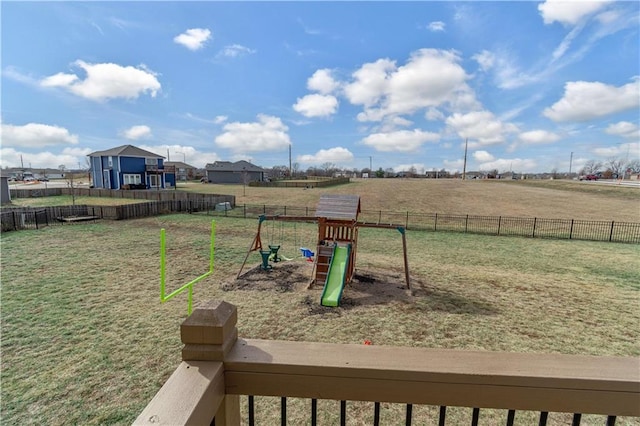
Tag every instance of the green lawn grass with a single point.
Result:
(85, 339)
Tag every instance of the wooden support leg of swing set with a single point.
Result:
(256, 244)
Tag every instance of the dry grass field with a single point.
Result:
(85, 339)
(548, 199)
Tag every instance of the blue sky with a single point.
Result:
(348, 83)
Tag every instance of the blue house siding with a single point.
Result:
(115, 167)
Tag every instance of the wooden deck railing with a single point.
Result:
(218, 367)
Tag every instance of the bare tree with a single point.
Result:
(70, 182)
(591, 167)
(634, 166)
(616, 166)
(295, 169)
(328, 167)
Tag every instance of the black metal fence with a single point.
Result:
(533, 227)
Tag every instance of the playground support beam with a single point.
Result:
(399, 228)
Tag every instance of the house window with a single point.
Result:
(154, 181)
(110, 161)
(131, 179)
(151, 161)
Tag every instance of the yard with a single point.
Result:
(85, 339)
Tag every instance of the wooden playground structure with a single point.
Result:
(336, 245)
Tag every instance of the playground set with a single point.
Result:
(334, 260)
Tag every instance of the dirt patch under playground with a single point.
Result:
(372, 286)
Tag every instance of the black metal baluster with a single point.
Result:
(409, 414)
(611, 420)
(252, 417)
(376, 414)
(511, 417)
(283, 411)
(443, 415)
(475, 417)
(543, 418)
(314, 412)
(577, 417)
(343, 413)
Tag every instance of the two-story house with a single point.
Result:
(130, 167)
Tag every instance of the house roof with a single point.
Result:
(238, 166)
(344, 207)
(178, 165)
(125, 151)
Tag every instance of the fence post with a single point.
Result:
(406, 222)
(611, 232)
(15, 223)
(285, 210)
(533, 235)
(499, 223)
(208, 334)
(244, 210)
(264, 209)
(466, 223)
(379, 216)
(571, 230)
(435, 223)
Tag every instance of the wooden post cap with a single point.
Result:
(211, 323)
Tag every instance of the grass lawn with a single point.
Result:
(547, 199)
(66, 200)
(85, 339)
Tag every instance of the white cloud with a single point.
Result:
(629, 150)
(235, 50)
(430, 78)
(322, 81)
(480, 126)
(316, 105)
(137, 132)
(483, 156)
(584, 100)
(370, 82)
(624, 129)
(336, 155)
(400, 140)
(193, 38)
(266, 134)
(485, 59)
(70, 157)
(436, 26)
(434, 114)
(106, 81)
(506, 164)
(220, 119)
(568, 11)
(36, 135)
(538, 137)
(186, 153)
(453, 164)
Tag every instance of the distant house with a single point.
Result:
(238, 172)
(183, 170)
(130, 167)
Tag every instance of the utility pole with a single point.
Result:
(464, 167)
(570, 164)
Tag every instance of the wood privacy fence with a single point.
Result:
(145, 194)
(13, 219)
(457, 385)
